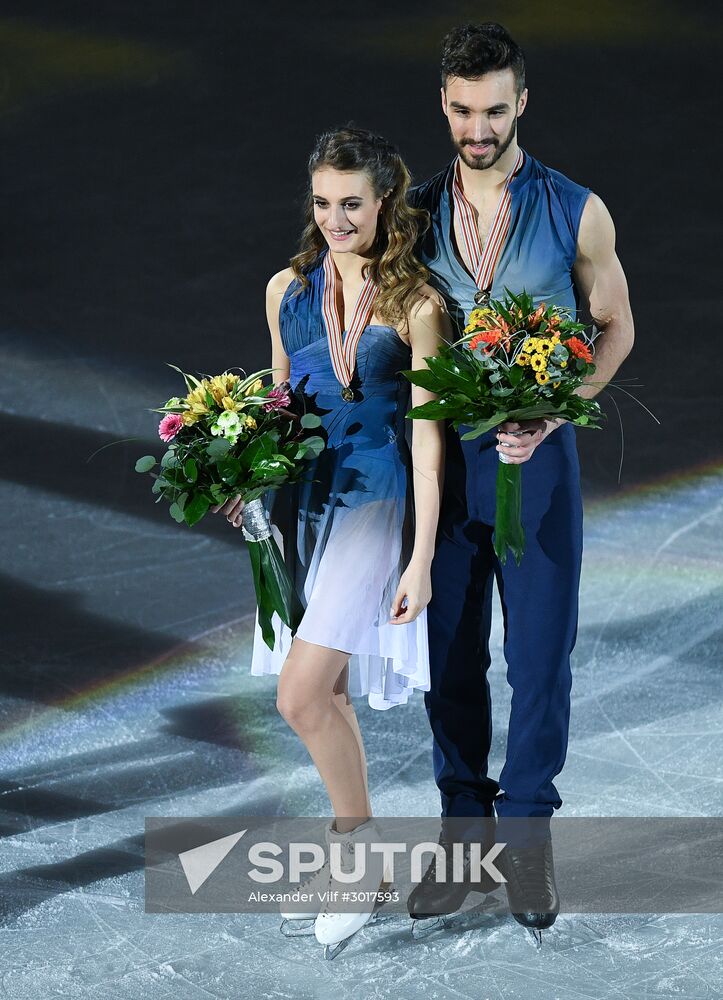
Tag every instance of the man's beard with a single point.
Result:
(478, 162)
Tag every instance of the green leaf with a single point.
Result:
(433, 410)
(176, 513)
(169, 458)
(194, 511)
(310, 420)
(515, 374)
(190, 381)
(229, 469)
(261, 447)
(190, 470)
(218, 448)
(424, 378)
(145, 464)
(241, 387)
(482, 426)
(271, 466)
(450, 373)
(310, 448)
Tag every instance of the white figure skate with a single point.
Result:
(295, 923)
(335, 929)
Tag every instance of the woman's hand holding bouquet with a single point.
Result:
(231, 438)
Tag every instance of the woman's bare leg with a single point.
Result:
(345, 706)
(308, 698)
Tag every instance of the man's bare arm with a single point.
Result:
(600, 280)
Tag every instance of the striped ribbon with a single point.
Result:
(343, 349)
(482, 263)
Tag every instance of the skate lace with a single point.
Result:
(430, 875)
(347, 855)
(316, 876)
(529, 868)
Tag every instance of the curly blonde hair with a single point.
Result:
(392, 266)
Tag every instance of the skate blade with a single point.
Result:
(536, 936)
(297, 928)
(423, 927)
(332, 950)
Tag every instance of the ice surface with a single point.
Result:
(94, 740)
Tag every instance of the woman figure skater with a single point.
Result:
(350, 313)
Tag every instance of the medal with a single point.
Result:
(343, 349)
(482, 262)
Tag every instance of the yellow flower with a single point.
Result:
(478, 315)
(563, 364)
(196, 398)
(542, 377)
(545, 345)
(224, 381)
(533, 344)
(220, 386)
(189, 418)
(250, 423)
(523, 359)
(197, 395)
(538, 362)
(228, 403)
(255, 388)
(555, 385)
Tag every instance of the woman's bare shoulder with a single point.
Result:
(428, 303)
(279, 282)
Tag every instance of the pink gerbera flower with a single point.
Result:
(170, 426)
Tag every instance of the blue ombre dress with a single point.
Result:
(346, 531)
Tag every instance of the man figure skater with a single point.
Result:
(558, 245)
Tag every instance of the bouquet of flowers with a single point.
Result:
(514, 362)
(229, 436)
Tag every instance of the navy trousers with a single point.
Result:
(539, 601)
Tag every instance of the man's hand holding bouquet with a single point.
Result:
(518, 367)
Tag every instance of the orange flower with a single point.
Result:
(579, 348)
(490, 337)
(537, 314)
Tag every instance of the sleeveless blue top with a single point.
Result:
(382, 393)
(541, 245)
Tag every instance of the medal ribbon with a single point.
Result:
(343, 349)
(482, 263)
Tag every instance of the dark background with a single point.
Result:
(154, 160)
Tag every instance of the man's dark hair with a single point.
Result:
(472, 50)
